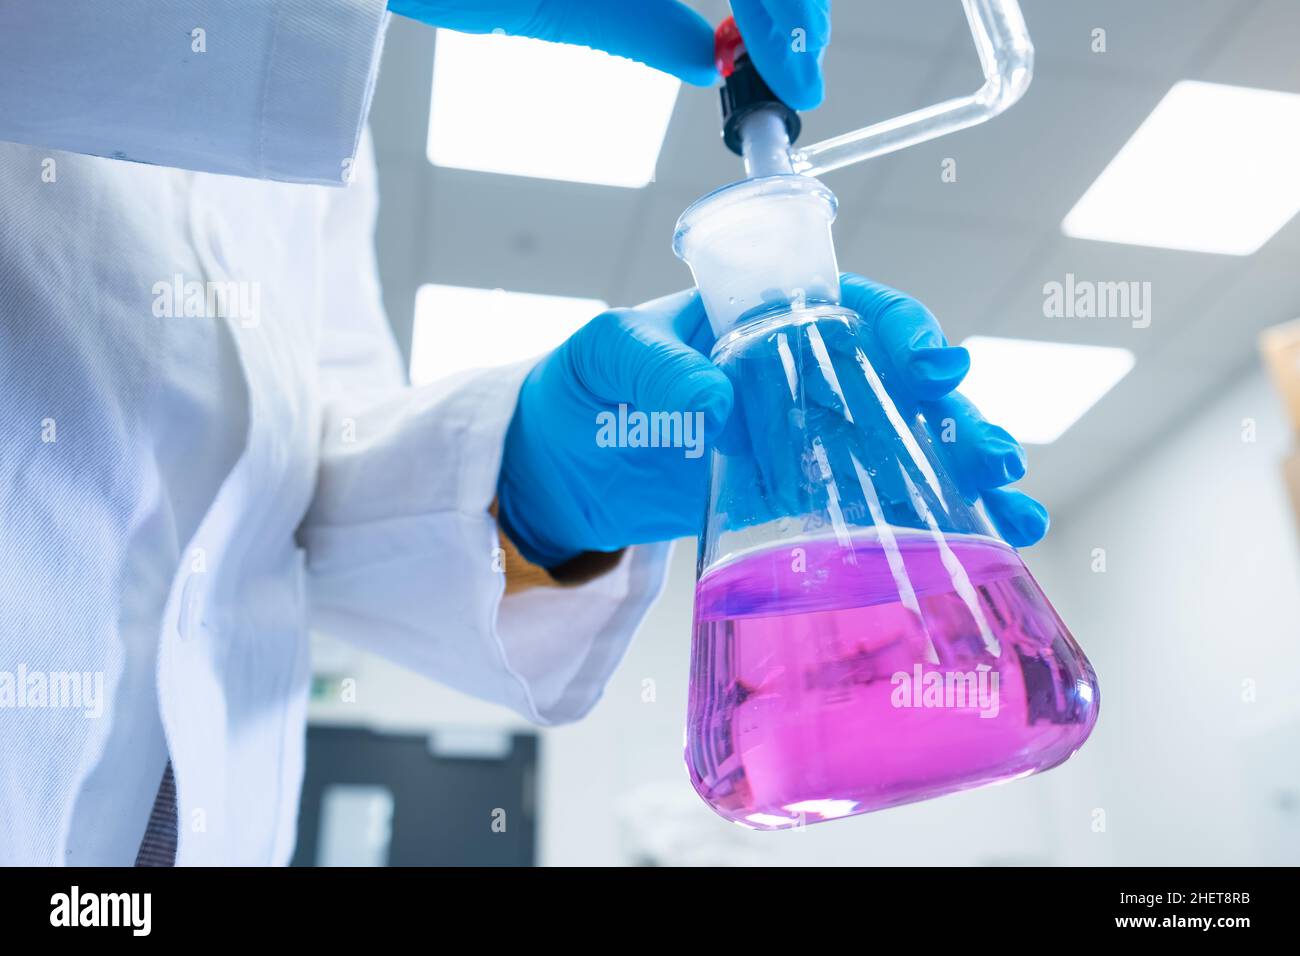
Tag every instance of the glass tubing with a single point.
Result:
(1006, 56)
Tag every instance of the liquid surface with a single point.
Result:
(829, 680)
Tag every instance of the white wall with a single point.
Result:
(1201, 592)
(1198, 605)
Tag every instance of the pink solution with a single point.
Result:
(829, 679)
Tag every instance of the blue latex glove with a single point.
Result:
(785, 38)
(664, 34)
(562, 491)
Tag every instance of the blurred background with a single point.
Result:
(1163, 438)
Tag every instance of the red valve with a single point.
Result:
(727, 46)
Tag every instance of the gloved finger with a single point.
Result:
(635, 356)
(664, 34)
(786, 39)
(910, 336)
(980, 455)
(1020, 519)
(691, 325)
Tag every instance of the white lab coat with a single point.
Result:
(184, 496)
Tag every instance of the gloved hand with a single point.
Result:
(664, 34)
(785, 38)
(565, 489)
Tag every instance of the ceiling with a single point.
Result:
(977, 251)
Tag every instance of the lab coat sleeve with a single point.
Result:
(403, 556)
(270, 89)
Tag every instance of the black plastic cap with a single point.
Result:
(744, 92)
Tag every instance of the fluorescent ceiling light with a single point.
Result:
(525, 107)
(458, 328)
(1212, 169)
(1037, 390)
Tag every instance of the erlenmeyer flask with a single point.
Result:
(862, 639)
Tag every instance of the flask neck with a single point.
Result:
(770, 319)
(760, 245)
